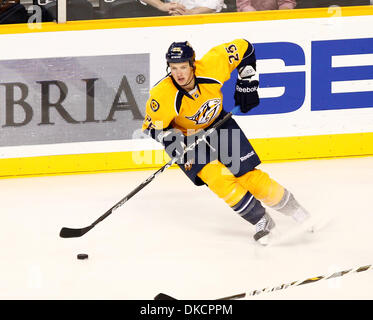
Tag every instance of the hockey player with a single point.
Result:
(189, 100)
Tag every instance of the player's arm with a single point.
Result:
(286, 4)
(221, 60)
(158, 118)
(158, 125)
(168, 7)
(246, 90)
(238, 54)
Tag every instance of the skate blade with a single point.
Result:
(264, 241)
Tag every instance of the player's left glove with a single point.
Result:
(246, 93)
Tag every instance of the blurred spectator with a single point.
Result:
(328, 3)
(11, 12)
(202, 6)
(259, 5)
(75, 10)
(184, 7)
(168, 7)
(231, 6)
(113, 9)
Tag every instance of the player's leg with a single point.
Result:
(257, 182)
(224, 184)
(271, 193)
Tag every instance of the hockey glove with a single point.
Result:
(173, 141)
(246, 94)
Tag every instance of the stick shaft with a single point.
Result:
(309, 280)
(283, 286)
(159, 171)
(68, 233)
(133, 192)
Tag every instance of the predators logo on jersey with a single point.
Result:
(154, 105)
(206, 112)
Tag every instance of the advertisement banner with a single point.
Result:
(332, 87)
(72, 99)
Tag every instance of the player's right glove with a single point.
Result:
(246, 93)
(173, 141)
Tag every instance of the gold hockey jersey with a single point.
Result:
(170, 105)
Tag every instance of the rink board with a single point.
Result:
(270, 150)
(316, 93)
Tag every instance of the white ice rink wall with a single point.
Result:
(72, 96)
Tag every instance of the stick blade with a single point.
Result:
(163, 296)
(73, 233)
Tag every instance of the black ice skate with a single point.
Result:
(263, 228)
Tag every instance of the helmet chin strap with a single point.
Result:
(185, 85)
(193, 77)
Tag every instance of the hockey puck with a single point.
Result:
(82, 256)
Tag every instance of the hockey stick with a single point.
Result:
(162, 296)
(74, 233)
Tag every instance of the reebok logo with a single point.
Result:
(250, 154)
(246, 90)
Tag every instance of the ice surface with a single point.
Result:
(176, 238)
